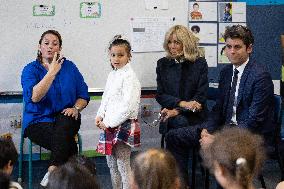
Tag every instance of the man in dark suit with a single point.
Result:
(245, 90)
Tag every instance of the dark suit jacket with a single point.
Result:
(182, 81)
(254, 102)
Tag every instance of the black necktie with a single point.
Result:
(232, 97)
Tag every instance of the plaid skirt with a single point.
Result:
(128, 133)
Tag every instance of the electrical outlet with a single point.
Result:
(146, 110)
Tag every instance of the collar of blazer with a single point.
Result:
(244, 77)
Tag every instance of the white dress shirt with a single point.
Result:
(121, 97)
(241, 70)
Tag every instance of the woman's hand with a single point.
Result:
(166, 113)
(55, 66)
(191, 105)
(71, 112)
(40, 89)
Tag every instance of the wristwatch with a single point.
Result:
(77, 108)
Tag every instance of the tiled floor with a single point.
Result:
(271, 174)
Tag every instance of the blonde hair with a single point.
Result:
(189, 42)
(239, 152)
(155, 169)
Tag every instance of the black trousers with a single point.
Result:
(58, 137)
(181, 138)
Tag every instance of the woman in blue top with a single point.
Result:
(54, 93)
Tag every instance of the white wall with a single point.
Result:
(85, 41)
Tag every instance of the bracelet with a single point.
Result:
(77, 108)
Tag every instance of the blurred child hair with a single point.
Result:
(72, 175)
(238, 153)
(8, 153)
(4, 180)
(83, 160)
(155, 169)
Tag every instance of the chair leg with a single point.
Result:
(206, 180)
(205, 174)
(281, 167)
(193, 168)
(80, 144)
(20, 160)
(280, 162)
(261, 179)
(163, 141)
(30, 185)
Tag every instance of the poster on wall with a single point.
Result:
(210, 54)
(222, 58)
(206, 32)
(222, 28)
(90, 10)
(232, 11)
(148, 33)
(202, 11)
(43, 10)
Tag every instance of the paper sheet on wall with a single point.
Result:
(207, 32)
(147, 34)
(43, 10)
(156, 4)
(210, 53)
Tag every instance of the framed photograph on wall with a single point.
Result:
(206, 32)
(232, 11)
(202, 11)
(210, 54)
(222, 58)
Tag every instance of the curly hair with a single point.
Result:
(239, 32)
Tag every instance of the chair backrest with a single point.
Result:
(212, 95)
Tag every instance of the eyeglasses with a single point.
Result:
(156, 122)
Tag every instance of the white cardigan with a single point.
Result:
(121, 97)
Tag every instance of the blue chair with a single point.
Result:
(30, 155)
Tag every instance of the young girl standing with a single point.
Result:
(117, 114)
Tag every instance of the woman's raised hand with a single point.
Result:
(55, 66)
